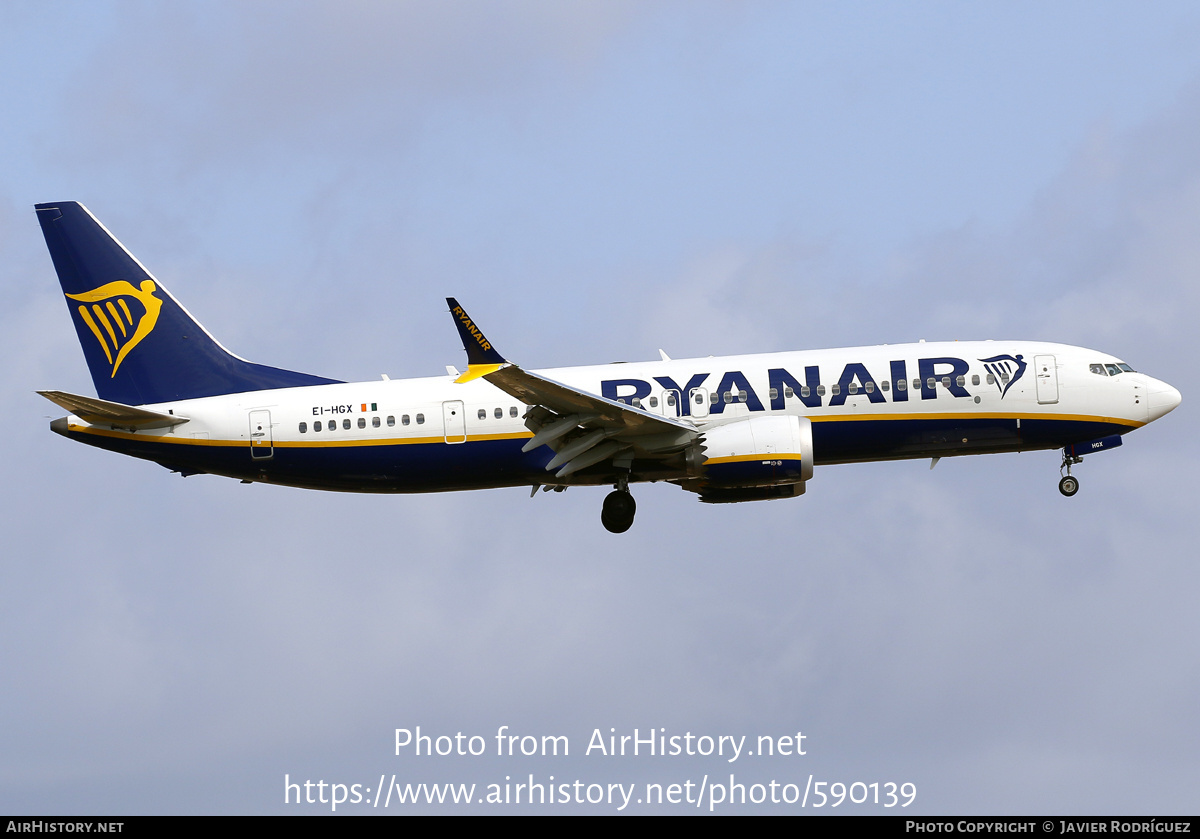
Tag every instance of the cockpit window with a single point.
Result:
(1111, 369)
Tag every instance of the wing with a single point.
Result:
(102, 412)
(582, 428)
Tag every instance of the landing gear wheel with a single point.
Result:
(1068, 486)
(617, 513)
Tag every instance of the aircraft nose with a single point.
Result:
(1162, 399)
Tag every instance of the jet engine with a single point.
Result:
(753, 459)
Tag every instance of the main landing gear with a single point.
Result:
(1069, 485)
(619, 508)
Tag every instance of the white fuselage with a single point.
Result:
(864, 403)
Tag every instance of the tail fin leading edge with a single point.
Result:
(141, 346)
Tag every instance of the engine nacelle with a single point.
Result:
(755, 452)
(723, 495)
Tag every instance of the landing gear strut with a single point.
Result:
(619, 508)
(1068, 486)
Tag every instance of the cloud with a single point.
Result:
(250, 81)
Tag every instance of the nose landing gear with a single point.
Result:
(619, 508)
(1069, 485)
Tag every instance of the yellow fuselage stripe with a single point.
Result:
(757, 458)
(972, 416)
(524, 435)
(292, 444)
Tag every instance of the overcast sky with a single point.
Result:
(594, 181)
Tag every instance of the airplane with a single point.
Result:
(729, 429)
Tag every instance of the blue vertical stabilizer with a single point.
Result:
(141, 346)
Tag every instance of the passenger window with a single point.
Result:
(346, 424)
(714, 398)
(728, 397)
(420, 419)
(512, 412)
(917, 384)
(975, 379)
(945, 381)
(884, 385)
(317, 425)
(499, 412)
(303, 428)
(901, 384)
(743, 396)
(960, 381)
(483, 413)
(374, 422)
(821, 390)
(637, 401)
(788, 392)
(852, 387)
(869, 387)
(991, 379)
(392, 422)
(699, 398)
(774, 393)
(804, 391)
(931, 382)
(405, 420)
(670, 400)
(362, 422)
(835, 389)
(653, 401)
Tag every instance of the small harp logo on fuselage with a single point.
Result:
(118, 325)
(1005, 370)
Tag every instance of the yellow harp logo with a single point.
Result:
(115, 325)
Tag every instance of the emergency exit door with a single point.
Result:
(1047, 379)
(454, 422)
(261, 446)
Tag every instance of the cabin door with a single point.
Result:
(1047, 379)
(261, 446)
(454, 422)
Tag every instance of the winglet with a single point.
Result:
(482, 357)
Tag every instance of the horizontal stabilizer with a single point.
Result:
(102, 412)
